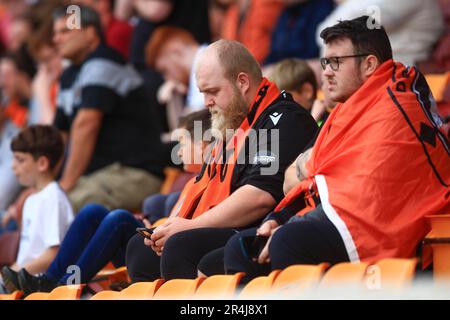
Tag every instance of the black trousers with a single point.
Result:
(181, 255)
(310, 239)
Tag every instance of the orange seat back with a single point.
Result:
(178, 289)
(344, 274)
(106, 295)
(16, 295)
(259, 286)
(296, 278)
(141, 290)
(71, 292)
(437, 83)
(38, 296)
(219, 286)
(395, 273)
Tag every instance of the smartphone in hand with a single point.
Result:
(145, 232)
(253, 245)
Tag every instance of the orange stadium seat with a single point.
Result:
(439, 240)
(71, 292)
(171, 175)
(219, 286)
(106, 295)
(259, 286)
(437, 83)
(141, 290)
(38, 296)
(16, 295)
(296, 278)
(344, 274)
(178, 289)
(159, 222)
(396, 273)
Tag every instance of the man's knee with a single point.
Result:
(294, 243)
(234, 257)
(92, 212)
(176, 248)
(119, 216)
(152, 202)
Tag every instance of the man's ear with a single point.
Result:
(43, 164)
(243, 83)
(370, 64)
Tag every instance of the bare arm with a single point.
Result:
(297, 171)
(41, 263)
(123, 9)
(237, 211)
(83, 137)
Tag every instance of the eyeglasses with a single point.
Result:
(334, 61)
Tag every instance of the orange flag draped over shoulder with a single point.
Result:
(380, 164)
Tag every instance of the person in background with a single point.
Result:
(174, 53)
(297, 78)
(114, 144)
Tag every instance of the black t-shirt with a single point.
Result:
(128, 134)
(266, 163)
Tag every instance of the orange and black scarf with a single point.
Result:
(213, 185)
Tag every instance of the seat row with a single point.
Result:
(292, 282)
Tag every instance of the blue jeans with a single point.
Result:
(95, 237)
(158, 206)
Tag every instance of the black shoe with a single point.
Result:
(29, 283)
(10, 279)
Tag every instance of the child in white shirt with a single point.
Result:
(47, 213)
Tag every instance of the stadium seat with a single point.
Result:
(112, 274)
(259, 286)
(109, 277)
(219, 286)
(178, 289)
(159, 222)
(106, 295)
(396, 273)
(16, 295)
(38, 296)
(437, 83)
(141, 290)
(296, 278)
(171, 175)
(71, 292)
(439, 240)
(344, 274)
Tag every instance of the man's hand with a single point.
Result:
(318, 109)
(148, 242)
(166, 230)
(168, 89)
(267, 229)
